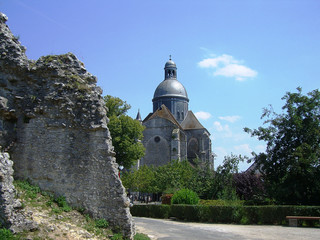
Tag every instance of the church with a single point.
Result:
(172, 131)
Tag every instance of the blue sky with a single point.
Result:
(233, 57)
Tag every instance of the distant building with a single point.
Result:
(172, 131)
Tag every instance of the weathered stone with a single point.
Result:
(11, 214)
(55, 138)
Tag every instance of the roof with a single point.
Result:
(191, 122)
(138, 117)
(170, 88)
(170, 64)
(163, 112)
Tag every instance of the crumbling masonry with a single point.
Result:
(53, 123)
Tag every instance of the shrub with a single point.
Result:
(101, 223)
(166, 198)
(185, 196)
(61, 201)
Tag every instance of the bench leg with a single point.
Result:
(293, 222)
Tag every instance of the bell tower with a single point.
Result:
(171, 93)
(170, 70)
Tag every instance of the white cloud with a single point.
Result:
(218, 61)
(203, 115)
(225, 65)
(243, 149)
(217, 125)
(231, 119)
(224, 129)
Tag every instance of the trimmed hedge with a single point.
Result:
(150, 210)
(225, 214)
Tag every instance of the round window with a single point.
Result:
(157, 139)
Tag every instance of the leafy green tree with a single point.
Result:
(223, 180)
(116, 106)
(142, 180)
(291, 164)
(126, 132)
(174, 176)
(202, 181)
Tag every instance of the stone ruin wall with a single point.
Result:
(53, 123)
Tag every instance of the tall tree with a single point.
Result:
(126, 132)
(291, 164)
(223, 185)
(116, 106)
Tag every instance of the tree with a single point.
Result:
(223, 180)
(116, 106)
(174, 176)
(291, 164)
(126, 132)
(249, 186)
(142, 180)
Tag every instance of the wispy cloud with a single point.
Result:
(227, 66)
(203, 115)
(243, 149)
(41, 14)
(224, 129)
(230, 119)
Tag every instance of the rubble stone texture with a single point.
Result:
(53, 123)
(12, 215)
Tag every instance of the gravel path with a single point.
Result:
(167, 229)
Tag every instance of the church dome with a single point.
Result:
(170, 64)
(170, 88)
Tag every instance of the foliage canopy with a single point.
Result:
(291, 164)
(126, 132)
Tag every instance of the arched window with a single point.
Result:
(193, 148)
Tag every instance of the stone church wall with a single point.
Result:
(53, 123)
(199, 145)
(157, 138)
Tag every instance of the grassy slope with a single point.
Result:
(58, 221)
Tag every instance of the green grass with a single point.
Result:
(32, 196)
(141, 236)
(6, 234)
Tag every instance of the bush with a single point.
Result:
(166, 198)
(101, 223)
(185, 196)
(61, 201)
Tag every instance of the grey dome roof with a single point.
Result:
(170, 88)
(170, 64)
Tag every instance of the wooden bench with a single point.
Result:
(293, 220)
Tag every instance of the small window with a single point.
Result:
(157, 139)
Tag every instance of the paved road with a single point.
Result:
(173, 230)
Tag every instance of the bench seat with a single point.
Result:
(293, 220)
